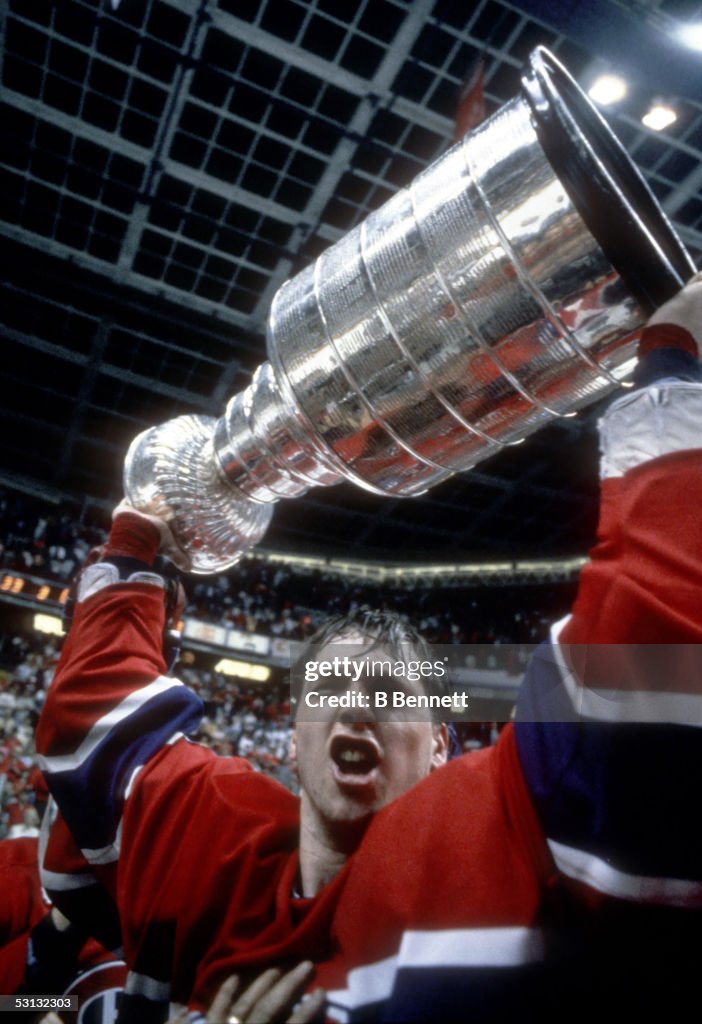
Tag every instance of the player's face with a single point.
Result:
(352, 762)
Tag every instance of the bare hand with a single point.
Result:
(269, 999)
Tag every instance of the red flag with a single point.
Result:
(471, 104)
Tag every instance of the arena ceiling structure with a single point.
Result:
(168, 164)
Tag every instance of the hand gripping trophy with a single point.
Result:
(506, 286)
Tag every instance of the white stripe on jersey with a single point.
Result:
(372, 983)
(133, 778)
(142, 985)
(472, 947)
(60, 882)
(104, 574)
(105, 854)
(452, 947)
(637, 707)
(595, 872)
(126, 707)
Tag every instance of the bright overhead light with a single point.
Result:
(691, 35)
(607, 89)
(659, 117)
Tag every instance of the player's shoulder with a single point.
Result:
(189, 772)
(467, 783)
(482, 792)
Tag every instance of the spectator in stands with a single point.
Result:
(29, 825)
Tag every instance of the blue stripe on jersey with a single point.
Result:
(138, 1009)
(623, 792)
(634, 964)
(461, 994)
(433, 968)
(91, 795)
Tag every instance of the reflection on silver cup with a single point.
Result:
(503, 288)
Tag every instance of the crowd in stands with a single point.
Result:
(26, 667)
(279, 600)
(275, 599)
(242, 720)
(43, 540)
(257, 596)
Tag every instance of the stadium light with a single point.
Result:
(691, 35)
(659, 116)
(607, 89)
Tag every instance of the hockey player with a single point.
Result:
(560, 868)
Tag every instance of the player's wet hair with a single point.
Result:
(381, 629)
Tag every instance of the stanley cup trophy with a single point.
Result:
(506, 286)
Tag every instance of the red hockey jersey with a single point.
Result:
(562, 866)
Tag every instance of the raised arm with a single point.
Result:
(155, 816)
(112, 705)
(609, 717)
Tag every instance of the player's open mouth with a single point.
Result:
(355, 758)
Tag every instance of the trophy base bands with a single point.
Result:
(38, 1004)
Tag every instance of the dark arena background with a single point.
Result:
(167, 165)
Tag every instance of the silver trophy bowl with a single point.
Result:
(505, 287)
